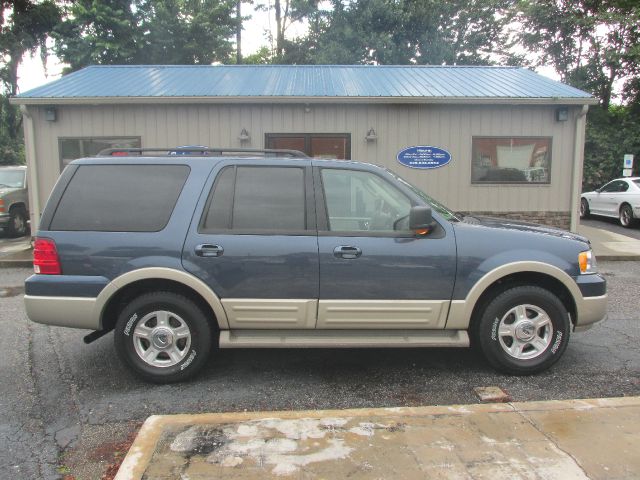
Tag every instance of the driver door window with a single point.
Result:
(363, 202)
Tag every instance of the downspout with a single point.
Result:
(34, 185)
(578, 160)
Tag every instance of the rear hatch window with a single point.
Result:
(120, 198)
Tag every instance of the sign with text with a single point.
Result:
(424, 156)
(628, 161)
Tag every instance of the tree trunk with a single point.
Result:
(239, 33)
(279, 32)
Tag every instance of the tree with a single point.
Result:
(286, 13)
(592, 44)
(25, 28)
(146, 32)
(409, 32)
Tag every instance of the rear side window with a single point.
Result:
(257, 199)
(120, 198)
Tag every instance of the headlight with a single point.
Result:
(587, 262)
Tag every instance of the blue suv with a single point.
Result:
(183, 254)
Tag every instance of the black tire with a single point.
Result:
(193, 353)
(626, 216)
(584, 208)
(497, 315)
(17, 226)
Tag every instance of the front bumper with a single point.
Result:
(592, 306)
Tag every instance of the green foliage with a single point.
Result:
(25, 27)
(146, 32)
(403, 32)
(610, 135)
(591, 44)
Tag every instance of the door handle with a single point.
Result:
(347, 251)
(209, 250)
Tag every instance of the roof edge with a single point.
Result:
(297, 99)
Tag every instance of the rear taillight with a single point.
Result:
(1, 205)
(45, 257)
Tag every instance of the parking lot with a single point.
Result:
(612, 225)
(67, 406)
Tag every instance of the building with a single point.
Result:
(507, 140)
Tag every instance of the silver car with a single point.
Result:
(620, 198)
(14, 200)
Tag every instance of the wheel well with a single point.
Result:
(542, 280)
(627, 204)
(118, 301)
(18, 205)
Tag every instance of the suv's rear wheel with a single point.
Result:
(163, 337)
(523, 330)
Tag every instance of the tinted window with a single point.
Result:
(120, 198)
(615, 186)
(219, 210)
(362, 201)
(264, 198)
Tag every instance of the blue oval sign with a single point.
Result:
(424, 157)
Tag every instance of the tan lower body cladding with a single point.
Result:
(335, 314)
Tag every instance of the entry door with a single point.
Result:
(318, 145)
(254, 243)
(374, 272)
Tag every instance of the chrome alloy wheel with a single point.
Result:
(162, 339)
(525, 332)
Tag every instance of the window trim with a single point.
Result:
(309, 208)
(307, 140)
(104, 137)
(513, 137)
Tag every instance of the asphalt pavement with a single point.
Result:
(66, 406)
(612, 225)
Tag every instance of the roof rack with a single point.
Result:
(200, 151)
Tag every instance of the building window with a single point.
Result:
(511, 160)
(72, 148)
(317, 145)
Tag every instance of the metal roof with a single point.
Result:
(256, 83)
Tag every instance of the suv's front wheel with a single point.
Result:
(163, 337)
(523, 330)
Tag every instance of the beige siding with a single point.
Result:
(446, 126)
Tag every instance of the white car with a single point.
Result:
(620, 198)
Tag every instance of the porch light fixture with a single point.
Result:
(562, 114)
(50, 114)
(244, 135)
(372, 136)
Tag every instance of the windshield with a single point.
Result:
(12, 178)
(435, 205)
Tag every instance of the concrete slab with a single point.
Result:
(16, 252)
(611, 246)
(578, 439)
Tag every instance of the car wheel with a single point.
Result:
(163, 337)
(626, 216)
(584, 208)
(17, 226)
(524, 330)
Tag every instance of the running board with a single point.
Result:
(342, 338)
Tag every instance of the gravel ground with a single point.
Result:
(66, 400)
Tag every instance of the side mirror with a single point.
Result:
(420, 219)
(598, 190)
